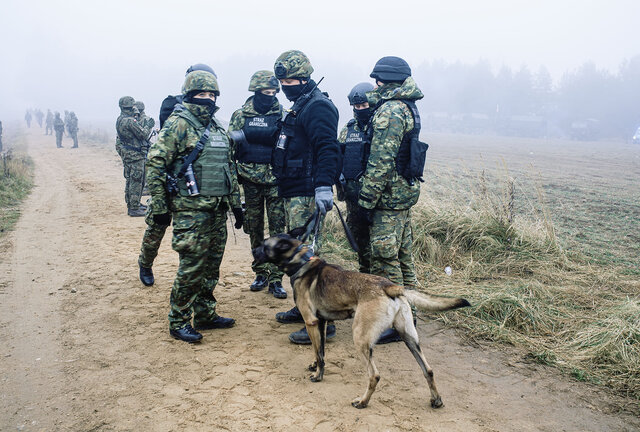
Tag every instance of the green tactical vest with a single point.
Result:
(211, 168)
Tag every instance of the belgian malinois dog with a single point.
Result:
(325, 292)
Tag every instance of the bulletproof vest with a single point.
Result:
(293, 155)
(211, 168)
(413, 152)
(356, 152)
(261, 133)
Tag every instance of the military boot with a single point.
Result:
(259, 284)
(146, 276)
(301, 337)
(136, 212)
(388, 336)
(291, 316)
(186, 333)
(277, 290)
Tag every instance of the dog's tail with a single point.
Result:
(431, 303)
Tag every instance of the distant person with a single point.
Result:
(155, 231)
(206, 189)
(27, 118)
(254, 129)
(170, 101)
(39, 117)
(48, 130)
(132, 138)
(66, 120)
(58, 126)
(72, 128)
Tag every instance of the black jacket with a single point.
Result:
(316, 132)
(167, 107)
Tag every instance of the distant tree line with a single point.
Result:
(587, 103)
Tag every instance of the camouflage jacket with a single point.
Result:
(130, 132)
(253, 172)
(58, 124)
(72, 124)
(176, 140)
(382, 186)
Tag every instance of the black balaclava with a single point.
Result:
(206, 103)
(262, 102)
(362, 116)
(293, 92)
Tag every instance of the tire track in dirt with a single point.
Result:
(123, 371)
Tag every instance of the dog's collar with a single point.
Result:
(292, 271)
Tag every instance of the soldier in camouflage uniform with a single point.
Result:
(199, 221)
(307, 156)
(386, 197)
(58, 126)
(48, 130)
(254, 129)
(132, 138)
(355, 141)
(72, 127)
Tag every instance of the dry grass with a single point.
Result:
(563, 307)
(16, 181)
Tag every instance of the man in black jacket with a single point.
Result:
(307, 156)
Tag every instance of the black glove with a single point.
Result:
(365, 216)
(239, 215)
(162, 218)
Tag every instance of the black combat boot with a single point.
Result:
(277, 290)
(217, 323)
(186, 333)
(136, 212)
(291, 316)
(388, 336)
(146, 276)
(301, 337)
(259, 284)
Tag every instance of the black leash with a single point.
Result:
(313, 224)
(347, 231)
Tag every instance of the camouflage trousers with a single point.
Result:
(133, 162)
(391, 246)
(59, 139)
(256, 197)
(151, 239)
(360, 232)
(298, 211)
(199, 237)
(74, 137)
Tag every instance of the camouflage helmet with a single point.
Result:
(292, 64)
(358, 94)
(200, 81)
(263, 80)
(126, 102)
(139, 105)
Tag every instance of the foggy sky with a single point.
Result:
(84, 55)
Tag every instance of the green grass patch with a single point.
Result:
(16, 181)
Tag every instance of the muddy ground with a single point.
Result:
(85, 346)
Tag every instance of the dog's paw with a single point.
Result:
(356, 403)
(315, 378)
(313, 366)
(436, 403)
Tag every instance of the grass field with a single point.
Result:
(542, 237)
(16, 180)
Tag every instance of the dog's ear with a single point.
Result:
(297, 232)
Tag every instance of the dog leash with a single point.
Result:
(313, 224)
(347, 231)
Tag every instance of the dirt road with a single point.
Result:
(85, 346)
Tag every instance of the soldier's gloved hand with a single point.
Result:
(365, 216)
(324, 199)
(239, 215)
(162, 219)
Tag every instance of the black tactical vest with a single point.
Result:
(293, 157)
(412, 154)
(261, 133)
(356, 150)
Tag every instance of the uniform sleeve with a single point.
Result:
(388, 130)
(322, 126)
(233, 168)
(137, 129)
(161, 156)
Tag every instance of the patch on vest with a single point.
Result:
(258, 122)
